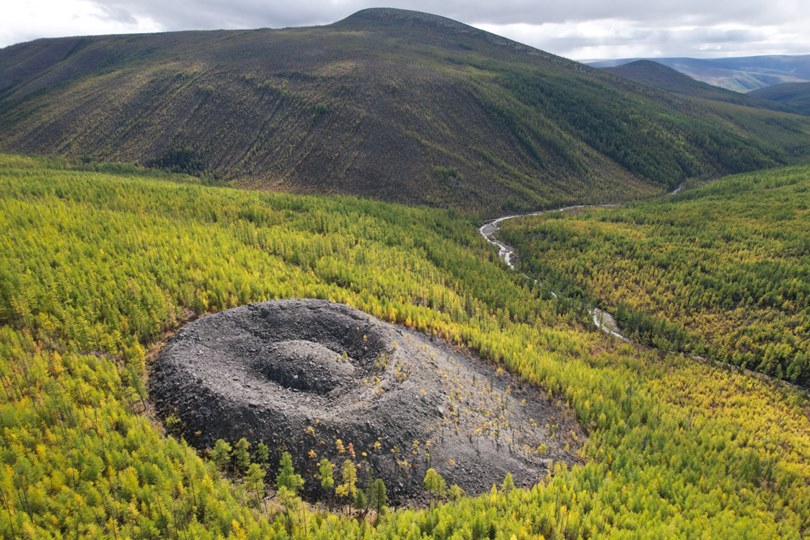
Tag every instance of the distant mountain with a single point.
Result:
(796, 95)
(739, 74)
(391, 104)
(658, 75)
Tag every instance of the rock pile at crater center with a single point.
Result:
(320, 379)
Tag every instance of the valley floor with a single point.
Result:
(96, 267)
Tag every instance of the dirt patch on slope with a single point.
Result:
(302, 374)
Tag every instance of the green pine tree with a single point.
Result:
(221, 454)
(286, 476)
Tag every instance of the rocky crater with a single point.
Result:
(321, 379)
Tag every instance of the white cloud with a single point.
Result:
(580, 29)
(31, 19)
(615, 38)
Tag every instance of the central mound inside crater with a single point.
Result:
(305, 365)
(320, 379)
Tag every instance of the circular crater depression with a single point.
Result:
(320, 379)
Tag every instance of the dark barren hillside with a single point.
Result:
(390, 104)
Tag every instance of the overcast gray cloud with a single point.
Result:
(580, 29)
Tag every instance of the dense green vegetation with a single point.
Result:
(95, 268)
(795, 95)
(390, 104)
(722, 271)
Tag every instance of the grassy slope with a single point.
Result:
(390, 104)
(721, 271)
(94, 267)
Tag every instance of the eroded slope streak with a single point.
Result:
(301, 374)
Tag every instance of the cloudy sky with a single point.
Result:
(578, 29)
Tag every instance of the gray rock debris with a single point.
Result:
(321, 379)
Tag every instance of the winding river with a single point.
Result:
(603, 320)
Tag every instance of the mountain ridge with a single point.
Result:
(740, 74)
(672, 80)
(385, 104)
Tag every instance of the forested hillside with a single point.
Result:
(390, 104)
(722, 271)
(667, 78)
(96, 268)
(795, 95)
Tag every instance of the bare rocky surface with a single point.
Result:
(321, 379)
